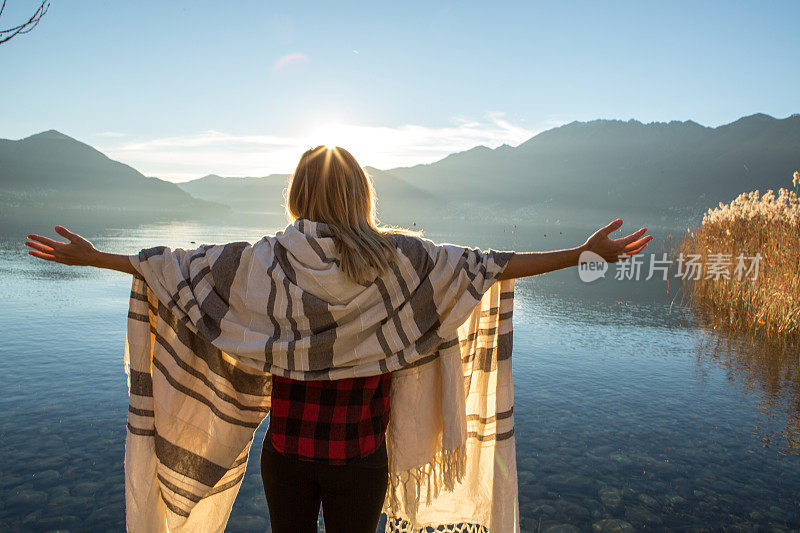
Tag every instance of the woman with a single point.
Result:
(325, 443)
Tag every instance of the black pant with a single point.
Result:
(351, 495)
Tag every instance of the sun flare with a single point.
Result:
(361, 142)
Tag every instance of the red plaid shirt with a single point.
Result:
(332, 421)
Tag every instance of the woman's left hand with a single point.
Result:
(78, 251)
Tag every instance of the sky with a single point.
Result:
(182, 89)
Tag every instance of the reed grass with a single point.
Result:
(768, 304)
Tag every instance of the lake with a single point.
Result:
(629, 413)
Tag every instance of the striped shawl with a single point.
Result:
(208, 327)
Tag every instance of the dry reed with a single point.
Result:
(766, 304)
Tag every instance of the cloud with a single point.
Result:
(192, 156)
(109, 134)
(289, 60)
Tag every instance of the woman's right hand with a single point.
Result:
(78, 251)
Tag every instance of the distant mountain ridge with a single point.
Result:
(610, 163)
(51, 171)
(675, 169)
(255, 194)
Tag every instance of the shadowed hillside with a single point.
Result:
(579, 173)
(677, 168)
(51, 173)
(396, 198)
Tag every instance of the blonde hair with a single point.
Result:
(330, 186)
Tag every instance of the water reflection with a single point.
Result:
(768, 372)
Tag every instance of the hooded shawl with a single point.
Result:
(208, 327)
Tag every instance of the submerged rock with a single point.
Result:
(647, 499)
(561, 528)
(59, 523)
(535, 490)
(613, 525)
(250, 523)
(571, 510)
(87, 488)
(610, 497)
(46, 478)
(674, 499)
(641, 516)
(27, 498)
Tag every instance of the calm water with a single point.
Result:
(628, 414)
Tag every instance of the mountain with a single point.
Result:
(613, 164)
(577, 173)
(250, 194)
(266, 194)
(51, 171)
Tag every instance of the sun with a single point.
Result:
(359, 141)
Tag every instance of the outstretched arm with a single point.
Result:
(524, 264)
(78, 251)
